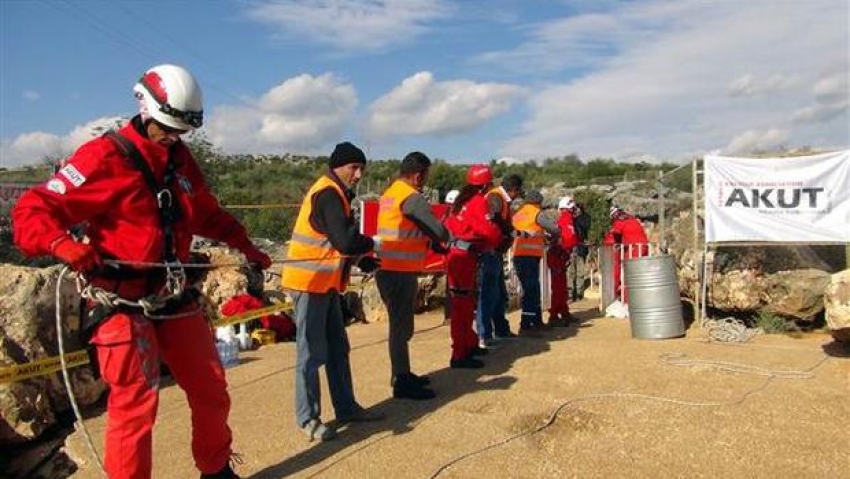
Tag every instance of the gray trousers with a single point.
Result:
(398, 291)
(321, 340)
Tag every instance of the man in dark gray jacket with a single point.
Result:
(407, 228)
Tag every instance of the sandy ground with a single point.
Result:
(583, 401)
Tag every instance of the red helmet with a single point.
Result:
(479, 175)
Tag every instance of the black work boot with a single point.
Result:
(406, 386)
(225, 473)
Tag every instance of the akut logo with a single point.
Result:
(783, 198)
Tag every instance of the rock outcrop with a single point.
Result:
(837, 303)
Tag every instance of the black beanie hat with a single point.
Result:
(346, 153)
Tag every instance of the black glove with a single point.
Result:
(369, 264)
(439, 248)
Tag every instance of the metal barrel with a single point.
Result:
(655, 310)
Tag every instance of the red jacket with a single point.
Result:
(628, 230)
(472, 224)
(101, 187)
(569, 239)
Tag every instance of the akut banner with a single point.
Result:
(794, 199)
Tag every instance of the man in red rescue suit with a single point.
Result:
(325, 244)
(530, 227)
(493, 294)
(473, 232)
(407, 228)
(142, 196)
(558, 259)
(627, 232)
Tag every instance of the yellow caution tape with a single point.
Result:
(253, 314)
(42, 367)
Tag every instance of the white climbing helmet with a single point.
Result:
(566, 203)
(451, 196)
(171, 96)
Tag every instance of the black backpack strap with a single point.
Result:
(165, 200)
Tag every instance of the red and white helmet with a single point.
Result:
(615, 211)
(479, 175)
(171, 96)
(566, 203)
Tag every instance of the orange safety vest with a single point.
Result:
(403, 245)
(318, 267)
(525, 221)
(505, 212)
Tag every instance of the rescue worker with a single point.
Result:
(473, 232)
(628, 234)
(529, 244)
(451, 196)
(407, 228)
(577, 270)
(558, 258)
(493, 293)
(143, 196)
(325, 244)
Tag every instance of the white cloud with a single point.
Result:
(677, 78)
(351, 25)
(31, 95)
(752, 141)
(303, 114)
(750, 85)
(421, 105)
(35, 147)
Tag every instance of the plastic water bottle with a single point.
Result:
(228, 353)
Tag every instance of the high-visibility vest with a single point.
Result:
(525, 223)
(403, 245)
(317, 267)
(505, 211)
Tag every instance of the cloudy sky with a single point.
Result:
(460, 80)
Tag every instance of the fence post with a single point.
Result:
(661, 216)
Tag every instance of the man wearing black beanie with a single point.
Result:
(324, 243)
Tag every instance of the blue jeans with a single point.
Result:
(492, 297)
(528, 272)
(320, 339)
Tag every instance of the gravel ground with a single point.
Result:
(583, 401)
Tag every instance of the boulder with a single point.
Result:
(836, 300)
(28, 333)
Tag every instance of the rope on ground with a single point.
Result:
(673, 359)
(729, 330)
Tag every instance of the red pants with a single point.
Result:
(559, 304)
(129, 348)
(629, 251)
(462, 269)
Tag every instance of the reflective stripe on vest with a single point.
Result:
(525, 221)
(318, 267)
(403, 245)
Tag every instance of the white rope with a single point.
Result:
(729, 330)
(67, 378)
(673, 359)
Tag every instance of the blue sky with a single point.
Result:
(459, 80)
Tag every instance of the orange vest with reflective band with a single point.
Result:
(403, 245)
(505, 212)
(525, 221)
(317, 266)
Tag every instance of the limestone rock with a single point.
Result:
(28, 333)
(837, 304)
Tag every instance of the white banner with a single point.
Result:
(797, 199)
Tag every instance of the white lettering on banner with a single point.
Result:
(778, 199)
(74, 176)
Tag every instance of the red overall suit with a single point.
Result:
(628, 232)
(102, 187)
(557, 259)
(472, 233)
